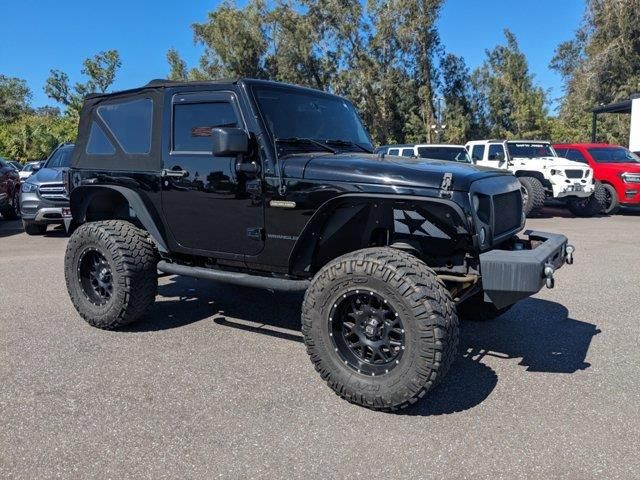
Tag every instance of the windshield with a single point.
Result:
(292, 114)
(530, 150)
(61, 158)
(452, 154)
(613, 155)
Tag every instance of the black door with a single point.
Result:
(208, 205)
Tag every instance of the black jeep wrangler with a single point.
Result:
(269, 185)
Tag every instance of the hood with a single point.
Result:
(630, 167)
(554, 162)
(48, 175)
(387, 170)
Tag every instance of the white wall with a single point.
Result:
(634, 134)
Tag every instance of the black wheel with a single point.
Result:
(476, 309)
(12, 210)
(32, 228)
(533, 195)
(589, 206)
(110, 271)
(611, 200)
(380, 327)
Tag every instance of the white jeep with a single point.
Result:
(542, 174)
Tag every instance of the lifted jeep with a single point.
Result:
(269, 185)
(542, 174)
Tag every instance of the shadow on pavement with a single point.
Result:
(10, 227)
(538, 332)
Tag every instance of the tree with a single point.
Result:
(515, 107)
(599, 66)
(15, 96)
(33, 136)
(101, 72)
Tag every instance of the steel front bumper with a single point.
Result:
(511, 275)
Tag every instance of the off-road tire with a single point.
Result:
(611, 203)
(535, 195)
(11, 211)
(132, 258)
(590, 206)
(428, 316)
(32, 228)
(477, 310)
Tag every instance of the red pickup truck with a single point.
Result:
(614, 166)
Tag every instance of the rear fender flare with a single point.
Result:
(80, 200)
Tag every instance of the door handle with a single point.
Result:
(175, 173)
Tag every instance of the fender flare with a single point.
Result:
(135, 203)
(302, 250)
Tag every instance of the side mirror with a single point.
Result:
(37, 167)
(229, 142)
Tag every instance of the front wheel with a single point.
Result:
(611, 203)
(32, 228)
(589, 206)
(110, 271)
(12, 210)
(380, 328)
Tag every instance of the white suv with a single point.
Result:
(542, 174)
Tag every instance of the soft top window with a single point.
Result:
(130, 123)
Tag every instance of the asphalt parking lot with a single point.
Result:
(215, 381)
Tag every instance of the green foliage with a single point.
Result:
(101, 72)
(515, 106)
(33, 136)
(14, 98)
(601, 65)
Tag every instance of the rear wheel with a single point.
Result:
(12, 210)
(380, 328)
(110, 271)
(476, 309)
(533, 195)
(611, 201)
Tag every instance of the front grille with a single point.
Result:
(53, 191)
(507, 208)
(574, 173)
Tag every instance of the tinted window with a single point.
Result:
(407, 152)
(193, 122)
(130, 123)
(496, 152)
(562, 152)
(454, 154)
(393, 151)
(61, 158)
(574, 155)
(530, 150)
(613, 155)
(477, 152)
(98, 143)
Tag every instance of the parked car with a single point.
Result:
(29, 169)
(269, 185)
(614, 166)
(9, 191)
(542, 173)
(453, 153)
(43, 196)
(15, 164)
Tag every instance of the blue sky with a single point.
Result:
(38, 36)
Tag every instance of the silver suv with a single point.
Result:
(42, 195)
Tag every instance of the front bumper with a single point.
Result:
(571, 187)
(35, 209)
(511, 275)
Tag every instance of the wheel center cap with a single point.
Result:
(372, 327)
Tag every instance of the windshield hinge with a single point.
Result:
(445, 186)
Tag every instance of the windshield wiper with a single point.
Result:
(347, 143)
(300, 140)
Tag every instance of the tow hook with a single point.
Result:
(569, 249)
(548, 276)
